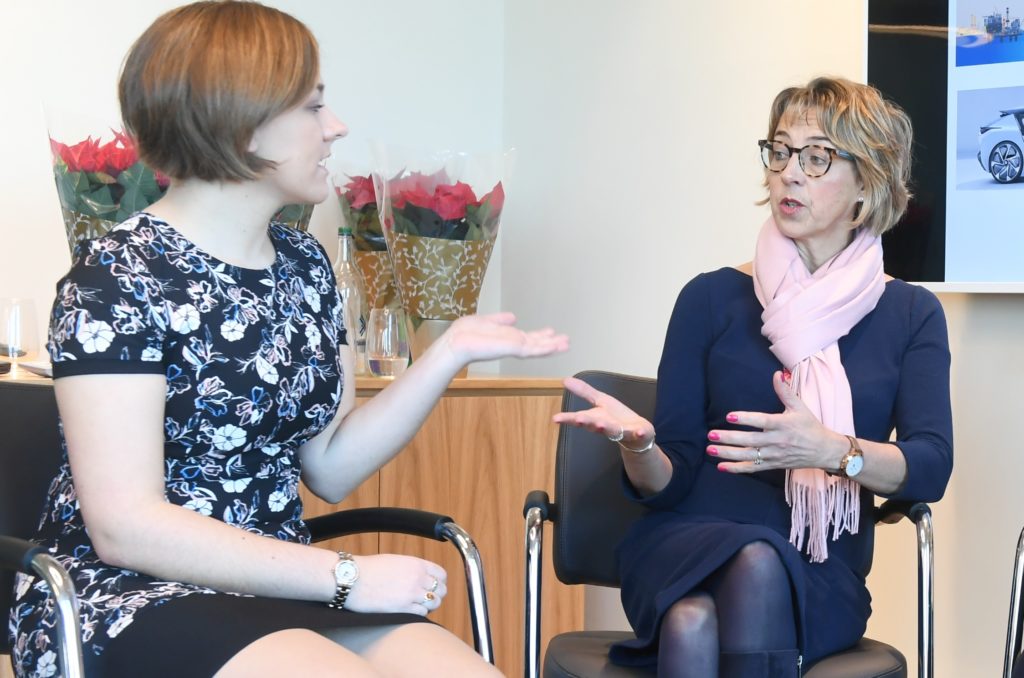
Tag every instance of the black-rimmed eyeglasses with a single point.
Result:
(815, 160)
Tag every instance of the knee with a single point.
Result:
(759, 566)
(693, 616)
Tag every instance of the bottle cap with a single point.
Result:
(344, 230)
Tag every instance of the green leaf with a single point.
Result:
(140, 188)
(99, 203)
(404, 225)
(66, 189)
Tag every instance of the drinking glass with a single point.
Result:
(387, 342)
(18, 333)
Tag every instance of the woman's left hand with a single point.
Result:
(792, 439)
(489, 337)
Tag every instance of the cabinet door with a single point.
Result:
(475, 459)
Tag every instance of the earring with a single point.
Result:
(860, 199)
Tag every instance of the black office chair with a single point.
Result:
(1015, 626)
(30, 455)
(591, 515)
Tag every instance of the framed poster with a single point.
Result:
(957, 67)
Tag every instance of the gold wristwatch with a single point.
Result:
(346, 573)
(853, 463)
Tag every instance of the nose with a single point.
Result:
(334, 128)
(792, 172)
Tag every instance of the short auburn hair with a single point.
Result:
(876, 132)
(196, 85)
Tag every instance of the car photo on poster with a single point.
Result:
(999, 146)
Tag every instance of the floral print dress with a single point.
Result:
(252, 366)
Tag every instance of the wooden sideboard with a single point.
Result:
(488, 442)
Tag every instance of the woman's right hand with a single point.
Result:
(608, 416)
(394, 583)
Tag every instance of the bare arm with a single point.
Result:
(116, 456)
(361, 440)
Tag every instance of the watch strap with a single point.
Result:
(854, 451)
(341, 589)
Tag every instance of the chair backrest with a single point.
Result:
(30, 455)
(592, 514)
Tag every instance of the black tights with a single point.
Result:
(742, 613)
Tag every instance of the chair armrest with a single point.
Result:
(429, 526)
(400, 520)
(892, 511)
(17, 554)
(536, 509)
(24, 556)
(920, 514)
(538, 499)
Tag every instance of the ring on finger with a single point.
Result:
(433, 587)
(429, 596)
(757, 457)
(617, 438)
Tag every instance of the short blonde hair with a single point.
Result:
(876, 132)
(196, 85)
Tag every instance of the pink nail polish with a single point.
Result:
(713, 451)
(712, 435)
(731, 418)
(787, 375)
(721, 467)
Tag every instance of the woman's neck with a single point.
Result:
(227, 219)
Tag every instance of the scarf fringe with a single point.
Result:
(814, 508)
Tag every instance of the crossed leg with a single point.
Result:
(746, 607)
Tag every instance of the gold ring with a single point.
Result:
(757, 458)
(433, 587)
(428, 596)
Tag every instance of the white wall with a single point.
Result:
(635, 124)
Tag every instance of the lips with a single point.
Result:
(790, 206)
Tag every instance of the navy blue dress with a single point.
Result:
(715, 361)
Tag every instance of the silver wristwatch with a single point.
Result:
(346, 573)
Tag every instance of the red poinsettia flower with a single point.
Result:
(496, 198)
(450, 201)
(416, 195)
(359, 192)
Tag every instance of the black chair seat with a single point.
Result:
(585, 654)
(580, 654)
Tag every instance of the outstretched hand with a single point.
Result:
(608, 416)
(793, 438)
(489, 337)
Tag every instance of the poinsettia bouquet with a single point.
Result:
(104, 180)
(359, 212)
(433, 206)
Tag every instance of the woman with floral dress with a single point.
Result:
(201, 370)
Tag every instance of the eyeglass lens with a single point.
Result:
(814, 160)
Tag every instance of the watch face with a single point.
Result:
(346, 572)
(854, 464)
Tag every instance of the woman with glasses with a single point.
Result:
(780, 384)
(201, 368)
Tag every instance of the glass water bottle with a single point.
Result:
(353, 297)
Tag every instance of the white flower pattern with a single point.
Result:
(94, 336)
(252, 371)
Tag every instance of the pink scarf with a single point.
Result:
(805, 314)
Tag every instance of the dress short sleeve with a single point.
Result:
(110, 315)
